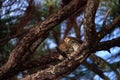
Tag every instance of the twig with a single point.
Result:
(110, 27)
(104, 21)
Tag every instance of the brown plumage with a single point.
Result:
(71, 44)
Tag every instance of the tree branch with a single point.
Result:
(104, 21)
(17, 54)
(108, 28)
(106, 45)
(43, 61)
(62, 68)
(11, 72)
(95, 69)
(89, 24)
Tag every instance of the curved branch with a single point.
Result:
(62, 68)
(42, 62)
(11, 72)
(45, 60)
(17, 56)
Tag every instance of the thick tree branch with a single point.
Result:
(108, 28)
(15, 58)
(62, 68)
(43, 61)
(89, 24)
(26, 47)
(12, 72)
(106, 45)
(74, 59)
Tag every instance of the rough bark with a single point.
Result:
(62, 68)
(23, 50)
(36, 32)
(77, 56)
(89, 24)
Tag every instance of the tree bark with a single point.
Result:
(18, 53)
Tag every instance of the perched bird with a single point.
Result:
(71, 44)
